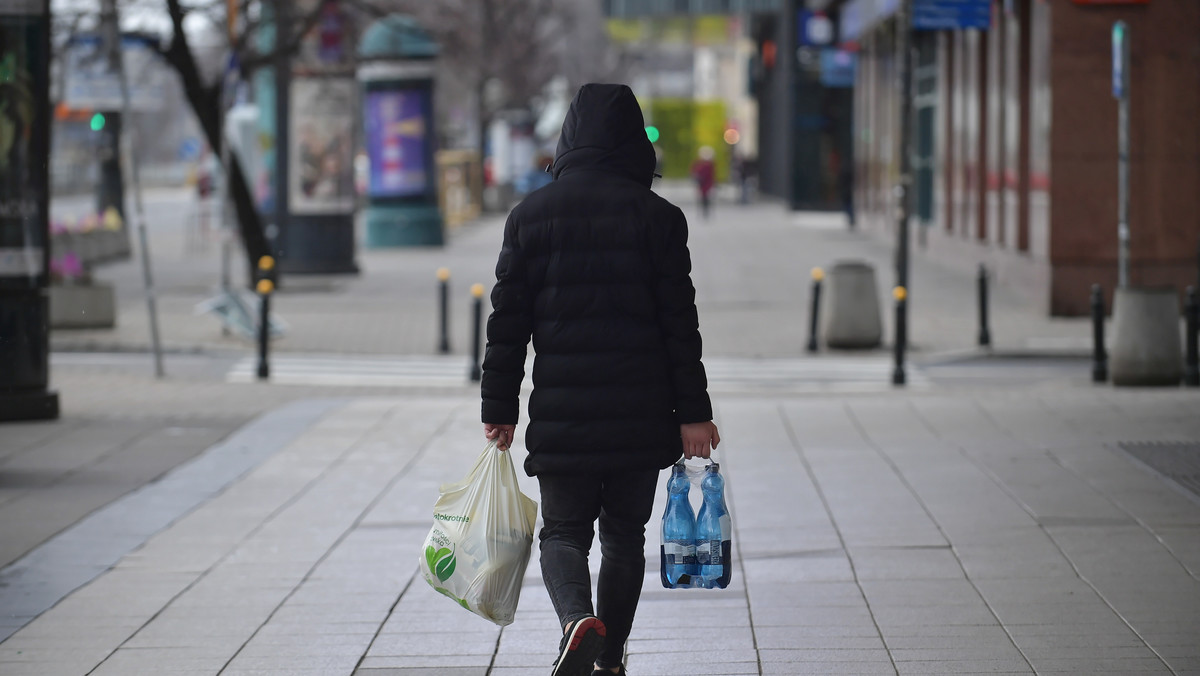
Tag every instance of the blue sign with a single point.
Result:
(189, 148)
(814, 29)
(837, 67)
(936, 15)
(1119, 46)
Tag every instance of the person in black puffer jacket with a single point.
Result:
(595, 268)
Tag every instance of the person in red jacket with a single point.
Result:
(704, 172)
(595, 269)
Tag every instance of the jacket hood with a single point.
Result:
(605, 129)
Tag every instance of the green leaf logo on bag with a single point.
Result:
(441, 562)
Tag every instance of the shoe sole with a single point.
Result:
(579, 656)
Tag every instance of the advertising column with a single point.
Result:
(397, 77)
(318, 233)
(24, 206)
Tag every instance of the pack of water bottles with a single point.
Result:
(696, 546)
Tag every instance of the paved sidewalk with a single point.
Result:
(985, 519)
(752, 264)
(898, 534)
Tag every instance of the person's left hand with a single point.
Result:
(698, 439)
(501, 434)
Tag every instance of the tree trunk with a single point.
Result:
(206, 103)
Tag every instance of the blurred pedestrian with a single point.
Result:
(740, 168)
(208, 172)
(704, 173)
(595, 268)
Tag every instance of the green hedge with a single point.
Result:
(684, 126)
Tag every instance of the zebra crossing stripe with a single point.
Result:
(824, 374)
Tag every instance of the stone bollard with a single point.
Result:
(1145, 345)
(851, 314)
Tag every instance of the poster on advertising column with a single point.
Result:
(22, 177)
(321, 162)
(396, 142)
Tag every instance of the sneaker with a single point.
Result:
(606, 672)
(578, 649)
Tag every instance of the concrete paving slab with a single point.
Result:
(855, 551)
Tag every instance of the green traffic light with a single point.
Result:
(652, 134)
(97, 121)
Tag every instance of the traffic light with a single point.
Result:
(652, 133)
(97, 121)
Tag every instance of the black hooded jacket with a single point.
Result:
(595, 267)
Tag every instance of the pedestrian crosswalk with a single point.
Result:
(358, 371)
(868, 373)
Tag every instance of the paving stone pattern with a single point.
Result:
(916, 533)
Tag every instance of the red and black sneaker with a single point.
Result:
(579, 648)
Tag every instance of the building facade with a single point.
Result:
(1015, 141)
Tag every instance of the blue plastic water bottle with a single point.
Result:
(714, 539)
(678, 550)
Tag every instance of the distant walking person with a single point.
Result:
(595, 268)
(704, 173)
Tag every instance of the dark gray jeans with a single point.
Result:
(571, 504)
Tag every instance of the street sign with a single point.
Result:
(815, 29)
(936, 15)
(92, 82)
(1120, 60)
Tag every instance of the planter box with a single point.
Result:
(84, 306)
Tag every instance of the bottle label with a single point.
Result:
(679, 553)
(708, 553)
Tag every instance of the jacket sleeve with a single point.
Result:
(679, 321)
(508, 330)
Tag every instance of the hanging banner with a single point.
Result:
(321, 160)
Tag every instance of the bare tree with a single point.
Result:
(203, 90)
(509, 50)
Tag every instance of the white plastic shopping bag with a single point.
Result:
(478, 549)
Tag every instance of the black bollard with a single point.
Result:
(1191, 365)
(477, 343)
(1099, 356)
(901, 296)
(985, 336)
(265, 287)
(817, 275)
(444, 308)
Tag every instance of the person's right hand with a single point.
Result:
(501, 434)
(699, 439)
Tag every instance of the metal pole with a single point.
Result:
(130, 150)
(226, 228)
(477, 343)
(1123, 168)
(985, 336)
(443, 275)
(283, 82)
(817, 275)
(1099, 355)
(904, 23)
(265, 287)
(111, 188)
